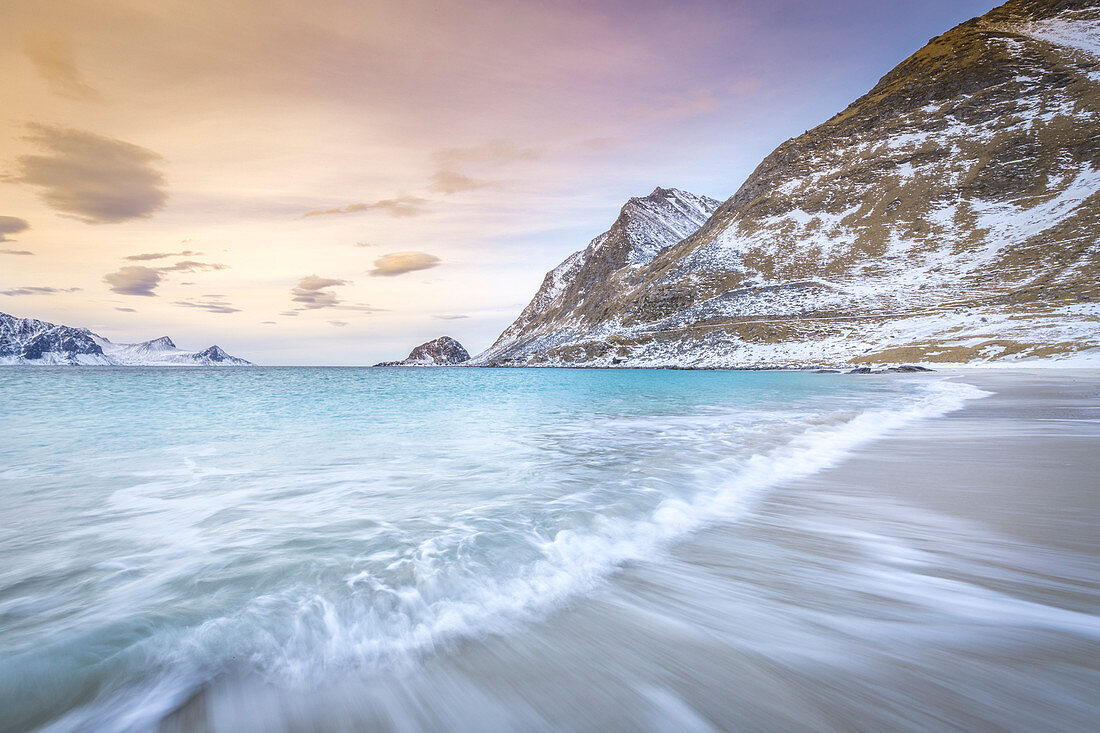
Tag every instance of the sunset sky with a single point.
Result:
(335, 182)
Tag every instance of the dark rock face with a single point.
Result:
(950, 214)
(30, 339)
(64, 339)
(213, 353)
(443, 351)
(903, 369)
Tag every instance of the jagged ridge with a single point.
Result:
(573, 294)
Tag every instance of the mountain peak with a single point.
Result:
(573, 293)
(159, 344)
(443, 351)
(215, 355)
(648, 224)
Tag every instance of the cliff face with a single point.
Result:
(950, 214)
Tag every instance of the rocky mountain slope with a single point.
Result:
(571, 302)
(30, 341)
(950, 214)
(443, 351)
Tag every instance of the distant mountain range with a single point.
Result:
(29, 341)
(950, 214)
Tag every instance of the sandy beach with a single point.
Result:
(942, 578)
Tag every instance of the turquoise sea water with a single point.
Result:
(168, 532)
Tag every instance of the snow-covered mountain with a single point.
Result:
(30, 341)
(570, 303)
(443, 351)
(950, 214)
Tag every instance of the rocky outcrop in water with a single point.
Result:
(950, 214)
(443, 351)
(30, 341)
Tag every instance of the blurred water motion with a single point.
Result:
(523, 550)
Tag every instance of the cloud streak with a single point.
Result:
(143, 280)
(38, 290)
(400, 263)
(499, 151)
(52, 54)
(192, 266)
(12, 225)
(449, 182)
(313, 292)
(700, 103)
(402, 206)
(133, 280)
(96, 179)
(211, 305)
(161, 255)
(448, 178)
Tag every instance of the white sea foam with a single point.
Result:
(324, 572)
(323, 634)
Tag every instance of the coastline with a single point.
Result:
(942, 576)
(1037, 434)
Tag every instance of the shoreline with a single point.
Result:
(1046, 419)
(940, 576)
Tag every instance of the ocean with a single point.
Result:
(454, 549)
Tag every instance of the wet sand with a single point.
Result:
(943, 578)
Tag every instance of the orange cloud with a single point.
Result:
(133, 280)
(401, 206)
(451, 182)
(95, 179)
(498, 151)
(52, 54)
(399, 263)
(12, 225)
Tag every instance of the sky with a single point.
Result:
(332, 182)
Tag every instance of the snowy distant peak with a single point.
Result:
(443, 351)
(214, 355)
(159, 344)
(213, 352)
(30, 341)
